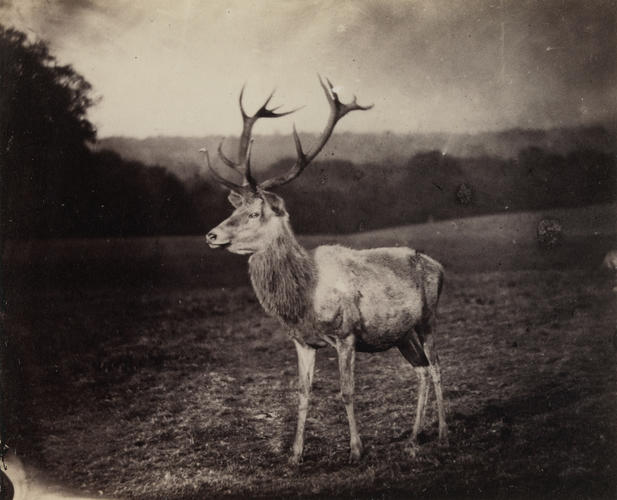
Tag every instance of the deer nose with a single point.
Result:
(211, 237)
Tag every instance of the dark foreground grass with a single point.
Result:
(181, 392)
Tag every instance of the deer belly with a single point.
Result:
(379, 321)
(385, 322)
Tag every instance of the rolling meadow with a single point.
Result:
(145, 368)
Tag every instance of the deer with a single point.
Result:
(366, 300)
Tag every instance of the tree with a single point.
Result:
(43, 138)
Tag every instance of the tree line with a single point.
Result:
(54, 183)
(51, 182)
(433, 186)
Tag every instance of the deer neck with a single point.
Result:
(283, 276)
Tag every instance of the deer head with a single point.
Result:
(259, 214)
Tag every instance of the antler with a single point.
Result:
(337, 111)
(243, 165)
(229, 184)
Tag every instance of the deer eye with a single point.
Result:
(254, 215)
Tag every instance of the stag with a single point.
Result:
(353, 300)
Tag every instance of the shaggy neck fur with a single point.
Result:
(283, 277)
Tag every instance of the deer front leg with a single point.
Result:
(346, 360)
(306, 366)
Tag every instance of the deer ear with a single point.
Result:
(235, 199)
(276, 203)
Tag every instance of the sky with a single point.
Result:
(175, 67)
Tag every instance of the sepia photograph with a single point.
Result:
(308, 249)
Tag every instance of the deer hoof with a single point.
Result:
(294, 460)
(443, 441)
(355, 454)
(412, 449)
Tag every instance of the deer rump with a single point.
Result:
(382, 295)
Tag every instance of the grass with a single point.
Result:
(188, 391)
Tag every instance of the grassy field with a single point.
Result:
(160, 376)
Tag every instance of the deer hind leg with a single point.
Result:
(413, 352)
(435, 372)
(306, 367)
(346, 350)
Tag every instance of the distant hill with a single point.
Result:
(362, 182)
(180, 154)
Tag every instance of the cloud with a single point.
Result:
(176, 67)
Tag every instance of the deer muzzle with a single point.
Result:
(216, 240)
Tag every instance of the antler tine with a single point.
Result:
(298, 143)
(264, 112)
(244, 115)
(224, 158)
(264, 107)
(337, 111)
(231, 185)
(333, 99)
(245, 138)
(243, 168)
(355, 105)
(261, 112)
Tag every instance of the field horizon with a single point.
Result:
(589, 232)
